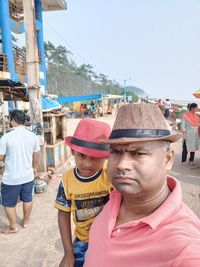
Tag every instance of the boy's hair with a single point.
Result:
(19, 116)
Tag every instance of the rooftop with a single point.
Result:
(47, 5)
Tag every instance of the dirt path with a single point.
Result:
(40, 245)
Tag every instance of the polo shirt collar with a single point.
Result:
(168, 207)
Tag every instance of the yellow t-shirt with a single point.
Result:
(84, 197)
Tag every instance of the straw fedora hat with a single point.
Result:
(86, 138)
(139, 123)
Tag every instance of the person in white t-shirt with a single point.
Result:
(167, 106)
(20, 150)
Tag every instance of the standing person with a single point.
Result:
(20, 150)
(145, 223)
(160, 105)
(91, 109)
(189, 127)
(81, 111)
(167, 107)
(83, 190)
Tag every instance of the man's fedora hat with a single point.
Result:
(86, 138)
(139, 123)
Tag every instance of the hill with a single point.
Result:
(64, 77)
(136, 90)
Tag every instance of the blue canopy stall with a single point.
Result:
(78, 98)
(49, 104)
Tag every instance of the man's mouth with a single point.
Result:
(125, 179)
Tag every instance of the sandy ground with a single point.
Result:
(40, 245)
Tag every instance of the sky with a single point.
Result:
(152, 44)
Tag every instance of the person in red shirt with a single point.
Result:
(145, 223)
(189, 127)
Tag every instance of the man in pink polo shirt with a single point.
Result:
(145, 223)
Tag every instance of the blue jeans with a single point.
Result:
(79, 252)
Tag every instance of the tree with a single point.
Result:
(64, 77)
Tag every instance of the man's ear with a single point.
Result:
(169, 159)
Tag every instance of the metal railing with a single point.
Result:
(19, 60)
(3, 63)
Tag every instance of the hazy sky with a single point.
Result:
(153, 44)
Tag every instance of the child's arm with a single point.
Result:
(64, 224)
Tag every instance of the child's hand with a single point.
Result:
(67, 261)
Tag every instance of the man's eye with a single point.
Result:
(138, 154)
(113, 151)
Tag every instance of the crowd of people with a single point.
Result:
(165, 107)
(127, 210)
(99, 109)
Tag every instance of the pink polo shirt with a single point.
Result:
(169, 237)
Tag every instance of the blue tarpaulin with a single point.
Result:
(78, 98)
(49, 104)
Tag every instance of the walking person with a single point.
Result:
(189, 128)
(20, 150)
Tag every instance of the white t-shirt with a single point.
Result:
(168, 104)
(18, 146)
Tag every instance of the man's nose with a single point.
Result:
(125, 162)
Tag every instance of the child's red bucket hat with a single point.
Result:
(86, 138)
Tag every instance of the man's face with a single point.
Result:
(86, 165)
(140, 168)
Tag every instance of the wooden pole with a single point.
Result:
(33, 73)
(32, 61)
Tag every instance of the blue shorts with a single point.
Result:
(10, 193)
(79, 252)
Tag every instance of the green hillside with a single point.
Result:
(65, 77)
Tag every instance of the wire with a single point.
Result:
(84, 59)
(68, 45)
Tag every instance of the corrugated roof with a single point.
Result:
(47, 5)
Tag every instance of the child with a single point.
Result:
(83, 190)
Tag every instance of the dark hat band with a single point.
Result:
(87, 144)
(138, 133)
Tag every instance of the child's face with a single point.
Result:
(86, 165)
